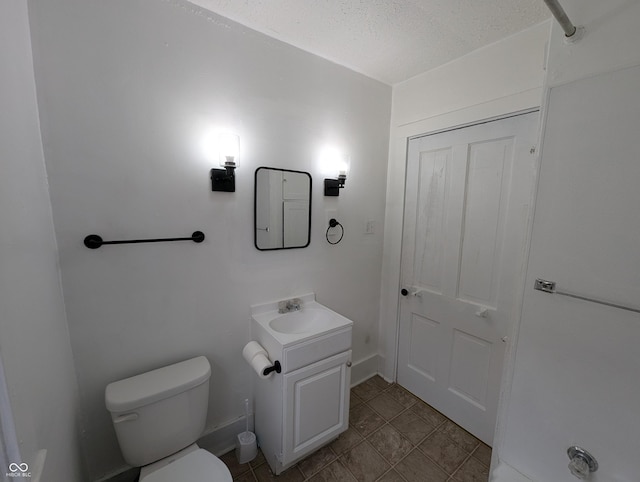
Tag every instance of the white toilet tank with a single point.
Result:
(160, 412)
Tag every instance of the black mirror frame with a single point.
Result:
(255, 208)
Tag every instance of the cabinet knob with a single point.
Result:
(349, 364)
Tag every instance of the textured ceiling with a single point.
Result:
(389, 40)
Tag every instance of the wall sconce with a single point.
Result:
(341, 165)
(229, 157)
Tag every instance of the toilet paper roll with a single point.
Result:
(259, 364)
(257, 358)
(252, 349)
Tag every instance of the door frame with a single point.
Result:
(521, 275)
(471, 124)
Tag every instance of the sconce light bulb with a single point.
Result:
(229, 149)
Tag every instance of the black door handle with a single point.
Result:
(404, 291)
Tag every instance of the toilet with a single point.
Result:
(158, 416)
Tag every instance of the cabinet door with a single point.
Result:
(316, 405)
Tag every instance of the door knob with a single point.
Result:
(412, 291)
(482, 312)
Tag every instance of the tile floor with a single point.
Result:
(393, 436)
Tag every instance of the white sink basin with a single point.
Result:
(312, 320)
(303, 321)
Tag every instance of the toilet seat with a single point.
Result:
(196, 466)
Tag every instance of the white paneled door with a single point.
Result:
(465, 223)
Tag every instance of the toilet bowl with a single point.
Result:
(191, 464)
(158, 416)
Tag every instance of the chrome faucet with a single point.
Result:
(286, 306)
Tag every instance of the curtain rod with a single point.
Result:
(562, 18)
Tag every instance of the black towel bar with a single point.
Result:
(93, 241)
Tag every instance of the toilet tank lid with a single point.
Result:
(155, 385)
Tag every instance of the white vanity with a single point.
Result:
(306, 405)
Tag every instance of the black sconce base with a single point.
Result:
(223, 180)
(332, 187)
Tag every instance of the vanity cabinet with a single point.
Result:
(305, 406)
(316, 406)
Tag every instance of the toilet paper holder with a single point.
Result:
(276, 367)
(258, 358)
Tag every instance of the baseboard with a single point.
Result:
(364, 369)
(505, 473)
(382, 369)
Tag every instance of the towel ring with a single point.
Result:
(332, 224)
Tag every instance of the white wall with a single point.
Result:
(576, 363)
(499, 79)
(126, 90)
(34, 340)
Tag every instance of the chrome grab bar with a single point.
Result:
(550, 287)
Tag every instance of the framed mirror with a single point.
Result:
(282, 209)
